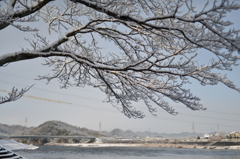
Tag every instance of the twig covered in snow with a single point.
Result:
(155, 47)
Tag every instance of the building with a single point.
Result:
(206, 136)
(234, 135)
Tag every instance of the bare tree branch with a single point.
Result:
(9, 16)
(14, 95)
(153, 53)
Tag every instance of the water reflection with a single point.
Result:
(62, 152)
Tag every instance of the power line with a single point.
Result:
(212, 111)
(47, 90)
(39, 98)
(152, 117)
(77, 96)
(42, 81)
(102, 109)
(95, 108)
(201, 116)
(217, 112)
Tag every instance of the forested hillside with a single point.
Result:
(63, 129)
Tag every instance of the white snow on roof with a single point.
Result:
(233, 132)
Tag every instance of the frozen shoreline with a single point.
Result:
(144, 145)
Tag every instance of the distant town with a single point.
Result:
(57, 132)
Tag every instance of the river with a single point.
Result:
(68, 152)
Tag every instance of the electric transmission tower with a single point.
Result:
(193, 130)
(25, 122)
(100, 126)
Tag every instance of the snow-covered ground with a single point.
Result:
(143, 145)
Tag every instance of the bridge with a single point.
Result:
(45, 136)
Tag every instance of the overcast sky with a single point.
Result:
(87, 108)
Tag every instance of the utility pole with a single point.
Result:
(149, 132)
(25, 129)
(100, 126)
(25, 122)
(193, 130)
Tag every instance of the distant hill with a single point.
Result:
(182, 134)
(150, 134)
(13, 129)
(118, 133)
(64, 129)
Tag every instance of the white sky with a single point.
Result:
(87, 108)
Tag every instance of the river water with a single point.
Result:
(68, 152)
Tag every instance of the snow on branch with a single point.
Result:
(143, 50)
(14, 95)
(20, 11)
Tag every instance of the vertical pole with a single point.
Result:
(26, 122)
(100, 126)
(193, 130)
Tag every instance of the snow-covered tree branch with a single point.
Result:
(155, 53)
(14, 95)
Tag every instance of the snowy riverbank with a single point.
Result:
(144, 145)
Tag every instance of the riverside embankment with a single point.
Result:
(153, 142)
